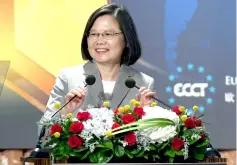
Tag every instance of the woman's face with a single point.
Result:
(106, 41)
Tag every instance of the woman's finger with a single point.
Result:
(81, 91)
(151, 94)
(145, 91)
(69, 96)
(76, 92)
(142, 89)
(137, 97)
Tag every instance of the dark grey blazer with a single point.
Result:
(73, 77)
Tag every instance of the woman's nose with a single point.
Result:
(100, 42)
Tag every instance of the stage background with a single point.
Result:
(185, 41)
(192, 42)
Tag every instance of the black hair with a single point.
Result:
(132, 50)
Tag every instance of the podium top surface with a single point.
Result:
(214, 163)
(44, 161)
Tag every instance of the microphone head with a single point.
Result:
(90, 80)
(130, 82)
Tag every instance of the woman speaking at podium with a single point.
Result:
(111, 45)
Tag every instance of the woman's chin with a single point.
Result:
(101, 61)
(105, 60)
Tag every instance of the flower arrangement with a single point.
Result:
(101, 135)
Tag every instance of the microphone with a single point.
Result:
(38, 152)
(130, 83)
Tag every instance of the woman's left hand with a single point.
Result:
(145, 96)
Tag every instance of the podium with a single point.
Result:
(47, 161)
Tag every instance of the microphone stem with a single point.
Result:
(65, 104)
(168, 106)
(162, 102)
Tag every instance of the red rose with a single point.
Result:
(177, 143)
(198, 122)
(128, 118)
(74, 141)
(130, 138)
(83, 116)
(116, 111)
(115, 125)
(190, 123)
(55, 128)
(176, 110)
(203, 136)
(139, 112)
(76, 127)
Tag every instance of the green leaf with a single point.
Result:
(74, 154)
(101, 156)
(62, 148)
(86, 154)
(105, 157)
(155, 156)
(140, 154)
(179, 152)
(83, 148)
(116, 119)
(193, 141)
(170, 153)
(78, 155)
(107, 144)
(199, 156)
(152, 148)
(67, 125)
(163, 146)
(171, 160)
(93, 158)
(104, 149)
(129, 155)
(204, 143)
(188, 132)
(134, 151)
(155, 120)
(67, 135)
(119, 151)
(146, 156)
(61, 157)
(99, 145)
(142, 124)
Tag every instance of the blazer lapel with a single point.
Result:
(95, 90)
(120, 90)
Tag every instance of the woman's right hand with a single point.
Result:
(76, 102)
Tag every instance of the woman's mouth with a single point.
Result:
(101, 50)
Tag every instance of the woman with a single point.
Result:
(110, 44)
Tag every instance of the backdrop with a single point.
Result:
(188, 47)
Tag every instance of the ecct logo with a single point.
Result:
(201, 87)
(190, 90)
